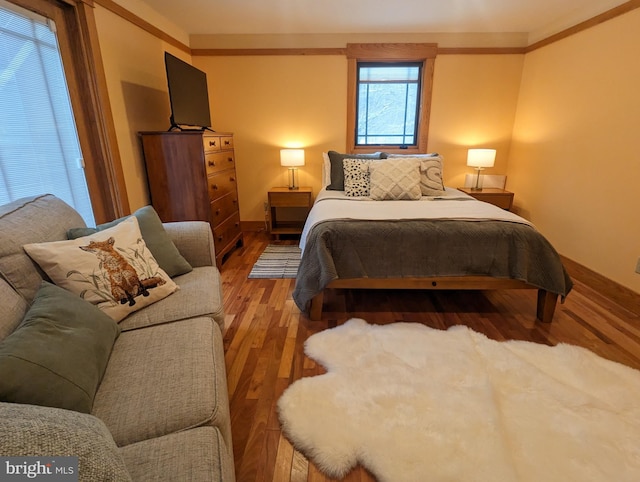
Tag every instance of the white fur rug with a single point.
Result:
(412, 403)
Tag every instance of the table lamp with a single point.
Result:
(292, 158)
(479, 159)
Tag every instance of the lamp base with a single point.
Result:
(293, 178)
(478, 186)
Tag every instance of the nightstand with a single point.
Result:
(498, 197)
(292, 205)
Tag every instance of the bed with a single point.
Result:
(448, 241)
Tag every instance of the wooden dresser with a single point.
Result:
(192, 177)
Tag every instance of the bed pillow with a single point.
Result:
(326, 170)
(431, 183)
(395, 180)
(154, 235)
(58, 354)
(112, 269)
(356, 177)
(337, 167)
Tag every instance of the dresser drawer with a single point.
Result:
(211, 143)
(226, 233)
(218, 161)
(224, 207)
(221, 184)
(226, 142)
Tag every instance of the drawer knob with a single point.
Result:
(237, 224)
(230, 159)
(212, 164)
(217, 212)
(226, 143)
(212, 143)
(232, 179)
(220, 238)
(234, 201)
(214, 187)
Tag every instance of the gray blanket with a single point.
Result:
(419, 248)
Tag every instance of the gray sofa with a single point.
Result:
(161, 410)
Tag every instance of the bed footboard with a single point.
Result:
(545, 307)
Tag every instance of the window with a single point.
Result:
(83, 73)
(39, 147)
(387, 103)
(389, 96)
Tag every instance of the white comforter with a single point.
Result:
(453, 205)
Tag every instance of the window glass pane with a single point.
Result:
(389, 74)
(39, 147)
(388, 99)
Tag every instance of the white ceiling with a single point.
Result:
(537, 18)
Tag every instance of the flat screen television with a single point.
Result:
(188, 94)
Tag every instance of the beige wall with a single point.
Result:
(137, 84)
(473, 105)
(575, 158)
(270, 102)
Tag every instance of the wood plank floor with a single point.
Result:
(265, 333)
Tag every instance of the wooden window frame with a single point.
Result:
(392, 53)
(78, 40)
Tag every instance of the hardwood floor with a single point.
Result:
(265, 333)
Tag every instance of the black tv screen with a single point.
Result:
(188, 93)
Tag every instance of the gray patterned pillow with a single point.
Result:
(431, 177)
(395, 180)
(356, 177)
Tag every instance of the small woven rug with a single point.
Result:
(277, 261)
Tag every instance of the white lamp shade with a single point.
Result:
(291, 157)
(481, 157)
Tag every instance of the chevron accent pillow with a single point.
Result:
(395, 180)
(431, 183)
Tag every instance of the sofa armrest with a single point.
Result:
(30, 430)
(194, 240)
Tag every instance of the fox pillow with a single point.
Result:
(112, 269)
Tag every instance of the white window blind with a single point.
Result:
(39, 147)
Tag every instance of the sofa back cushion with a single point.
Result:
(34, 219)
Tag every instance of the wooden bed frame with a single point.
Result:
(545, 309)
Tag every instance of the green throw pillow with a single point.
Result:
(155, 237)
(58, 354)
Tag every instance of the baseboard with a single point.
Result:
(622, 295)
(252, 226)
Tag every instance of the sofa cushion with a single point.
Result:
(57, 356)
(35, 219)
(12, 309)
(200, 294)
(29, 430)
(164, 379)
(154, 235)
(112, 269)
(198, 454)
